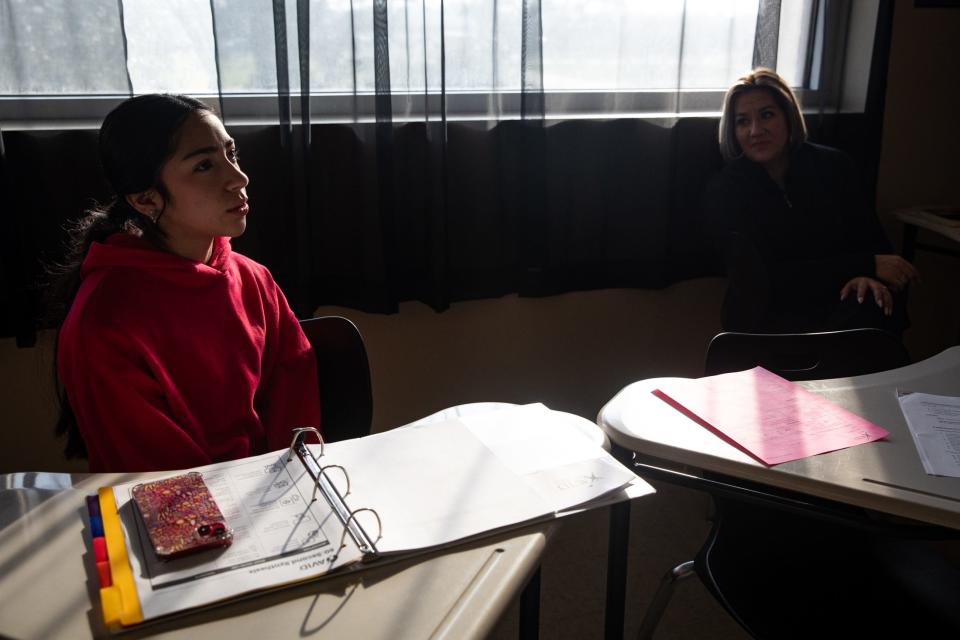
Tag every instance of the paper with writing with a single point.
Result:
(934, 423)
(770, 418)
(552, 453)
(279, 537)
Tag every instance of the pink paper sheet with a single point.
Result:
(770, 418)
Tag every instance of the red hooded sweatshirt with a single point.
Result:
(170, 363)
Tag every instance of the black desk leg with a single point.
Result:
(530, 608)
(619, 540)
(909, 241)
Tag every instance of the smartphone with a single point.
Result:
(181, 516)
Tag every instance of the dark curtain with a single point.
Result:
(475, 212)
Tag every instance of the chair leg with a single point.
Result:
(617, 553)
(662, 598)
(530, 609)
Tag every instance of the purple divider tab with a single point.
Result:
(93, 506)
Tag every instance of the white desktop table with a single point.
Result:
(886, 475)
(917, 218)
(48, 582)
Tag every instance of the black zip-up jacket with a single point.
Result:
(809, 239)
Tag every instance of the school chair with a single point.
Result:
(343, 374)
(807, 356)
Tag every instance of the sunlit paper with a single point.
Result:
(770, 418)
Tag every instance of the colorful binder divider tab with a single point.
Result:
(118, 594)
(99, 542)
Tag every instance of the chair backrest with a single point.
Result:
(807, 356)
(343, 372)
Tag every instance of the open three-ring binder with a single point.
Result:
(312, 510)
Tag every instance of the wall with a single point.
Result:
(572, 352)
(921, 129)
(918, 161)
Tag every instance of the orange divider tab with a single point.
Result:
(103, 572)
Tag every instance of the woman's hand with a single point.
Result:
(862, 284)
(896, 272)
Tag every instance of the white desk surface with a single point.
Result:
(48, 585)
(885, 475)
(929, 221)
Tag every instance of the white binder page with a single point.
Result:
(934, 423)
(551, 452)
(431, 485)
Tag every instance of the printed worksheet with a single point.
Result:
(279, 536)
(934, 423)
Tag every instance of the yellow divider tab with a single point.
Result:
(119, 602)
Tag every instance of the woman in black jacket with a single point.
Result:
(804, 249)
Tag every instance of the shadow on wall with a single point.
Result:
(30, 409)
(572, 352)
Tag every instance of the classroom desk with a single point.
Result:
(48, 581)
(915, 219)
(886, 475)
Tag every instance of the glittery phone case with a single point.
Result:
(181, 516)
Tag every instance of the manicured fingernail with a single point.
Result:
(860, 299)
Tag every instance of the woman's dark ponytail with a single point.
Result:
(136, 139)
(96, 225)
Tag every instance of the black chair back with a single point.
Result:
(343, 372)
(807, 356)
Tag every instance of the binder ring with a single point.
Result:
(366, 536)
(331, 494)
(298, 434)
(323, 470)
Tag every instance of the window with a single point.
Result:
(64, 60)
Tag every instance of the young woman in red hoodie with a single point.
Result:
(175, 351)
